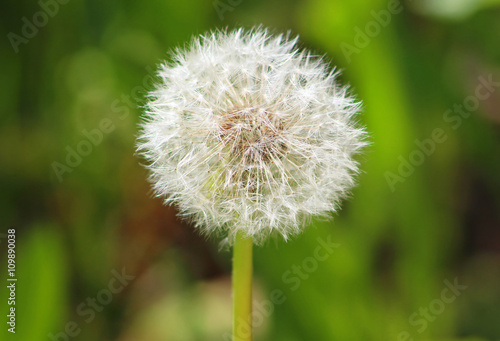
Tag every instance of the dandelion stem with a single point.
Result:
(242, 288)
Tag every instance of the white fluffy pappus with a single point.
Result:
(246, 132)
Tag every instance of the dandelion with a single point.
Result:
(247, 133)
(250, 137)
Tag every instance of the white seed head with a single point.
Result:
(248, 133)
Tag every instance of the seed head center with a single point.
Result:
(251, 133)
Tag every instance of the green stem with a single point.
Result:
(242, 288)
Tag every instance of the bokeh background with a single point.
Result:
(74, 78)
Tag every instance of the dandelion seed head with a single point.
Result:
(245, 132)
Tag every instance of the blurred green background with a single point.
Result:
(98, 258)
